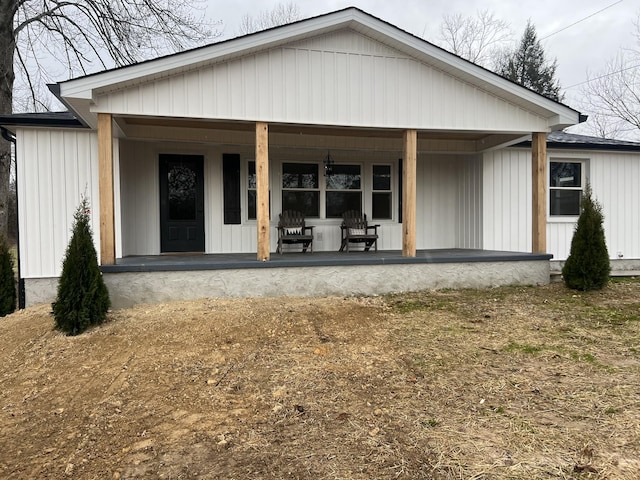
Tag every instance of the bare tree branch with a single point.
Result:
(612, 96)
(281, 14)
(88, 35)
(615, 92)
(477, 39)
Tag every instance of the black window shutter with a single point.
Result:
(399, 190)
(231, 185)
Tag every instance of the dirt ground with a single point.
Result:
(518, 383)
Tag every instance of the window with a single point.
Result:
(566, 181)
(344, 190)
(301, 188)
(349, 187)
(381, 193)
(251, 190)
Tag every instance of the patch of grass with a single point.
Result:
(410, 305)
(535, 349)
(583, 357)
(432, 422)
(519, 347)
(590, 311)
(420, 362)
(618, 315)
(624, 280)
(610, 411)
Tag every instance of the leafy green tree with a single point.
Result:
(7, 280)
(528, 66)
(588, 267)
(83, 298)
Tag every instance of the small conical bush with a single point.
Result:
(588, 267)
(7, 280)
(83, 298)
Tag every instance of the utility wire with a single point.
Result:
(603, 76)
(581, 20)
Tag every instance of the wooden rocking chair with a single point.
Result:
(355, 229)
(292, 229)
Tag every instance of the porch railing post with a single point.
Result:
(262, 190)
(539, 189)
(410, 154)
(105, 186)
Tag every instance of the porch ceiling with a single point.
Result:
(240, 132)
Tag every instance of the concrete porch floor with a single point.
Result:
(193, 262)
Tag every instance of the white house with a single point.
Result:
(200, 151)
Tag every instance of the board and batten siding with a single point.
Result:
(449, 199)
(449, 213)
(341, 78)
(55, 169)
(506, 200)
(614, 178)
(139, 167)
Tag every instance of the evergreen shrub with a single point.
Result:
(83, 298)
(588, 267)
(7, 280)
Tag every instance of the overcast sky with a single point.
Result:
(581, 48)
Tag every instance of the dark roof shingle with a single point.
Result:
(43, 119)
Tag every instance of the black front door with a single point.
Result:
(181, 203)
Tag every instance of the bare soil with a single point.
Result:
(518, 383)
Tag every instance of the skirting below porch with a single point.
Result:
(157, 279)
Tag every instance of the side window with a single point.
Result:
(566, 182)
(381, 197)
(344, 190)
(251, 190)
(301, 188)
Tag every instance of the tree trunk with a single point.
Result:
(7, 49)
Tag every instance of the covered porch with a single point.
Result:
(432, 184)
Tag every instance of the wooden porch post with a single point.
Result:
(105, 183)
(539, 189)
(410, 154)
(262, 190)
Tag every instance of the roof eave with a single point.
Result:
(45, 120)
(78, 94)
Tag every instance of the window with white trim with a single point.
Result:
(301, 188)
(343, 190)
(352, 186)
(566, 182)
(381, 197)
